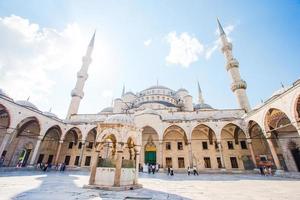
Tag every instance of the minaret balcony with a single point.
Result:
(76, 93)
(231, 64)
(226, 47)
(241, 84)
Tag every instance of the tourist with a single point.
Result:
(153, 169)
(270, 170)
(1, 161)
(157, 167)
(189, 170)
(195, 171)
(261, 169)
(169, 170)
(45, 167)
(266, 171)
(149, 168)
(172, 171)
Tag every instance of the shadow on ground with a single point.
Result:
(68, 186)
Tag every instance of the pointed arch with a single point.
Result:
(176, 129)
(207, 132)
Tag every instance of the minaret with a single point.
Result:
(123, 90)
(200, 96)
(238, 85)
(77, 93)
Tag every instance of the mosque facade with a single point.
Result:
(169, 128)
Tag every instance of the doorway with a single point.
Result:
(296, 155)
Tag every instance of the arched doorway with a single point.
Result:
(49, 145)
(204, 146)
(176, 152)
(235, 148)
(4, 126)
(150, 144)
(282, 132)
(21, 146)
(70, 150)
(263, 156)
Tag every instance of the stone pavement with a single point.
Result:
(35, 185)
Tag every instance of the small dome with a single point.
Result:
(107, 109)
(3, 94)
(129, 93)
(120, 119)
(182, 90)
(50, 114)
(158, 87)
(202, 106)
(27, 104)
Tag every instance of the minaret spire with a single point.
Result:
(123, 90)
(77, 93)
(238, 85)
(200, 96)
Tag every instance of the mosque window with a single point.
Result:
(87, 161)
(70, 145)
(181, 162)
(90, 145)
(76, 161)
(234, 163)
(207, 163)
(67, 160)
(230, 145)
(204, 145)
(79, 145)
(168, 145)
(243, 144)
(179, 146)
(219, 162)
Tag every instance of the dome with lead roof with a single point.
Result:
(50, 114)
(27, 104)
(107, 109)
(202, 106)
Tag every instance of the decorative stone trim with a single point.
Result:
(76, 93)
(238, 85)
(231, 64)
(226, 47)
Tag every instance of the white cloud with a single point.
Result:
(217, 43)
(184, 49)
(28, 53)
(147, 42)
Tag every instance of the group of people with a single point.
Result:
(152, 168)
(48, 166)
(194, 171)
(265, 170)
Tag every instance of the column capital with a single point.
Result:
(61, 141)
(40, 137)
(249, 141)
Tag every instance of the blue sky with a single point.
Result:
(133, 42)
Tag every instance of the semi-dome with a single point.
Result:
(50, 114)
(107, 109)
(182, 90)
(3, 94)
(202, 106)
(120, 119)
(27, 104)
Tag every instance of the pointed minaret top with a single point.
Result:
(123, 90)
(91, 44)
(221, 30)
(200, 97)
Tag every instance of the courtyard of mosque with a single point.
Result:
(69, 185)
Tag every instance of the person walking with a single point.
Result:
(261, 169)
(266, 171)
(172, 171)
(169, 170)
(270, 171)
(189, 170)
(195, 171)
(153, 169)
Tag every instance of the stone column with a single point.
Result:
(58, 151)
(118, 169)
(5, 141)
(137, 158)
(81, 152)
(35, 151)
(160, 153)
(274, 154)
(94, 168)
(190, 154)
(221, 154)
(249, 141)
